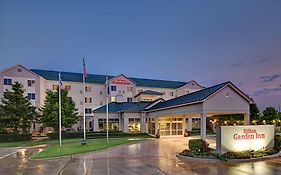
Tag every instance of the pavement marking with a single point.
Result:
(9, 154)
(65, 165)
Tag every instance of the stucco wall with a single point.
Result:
(235, 103)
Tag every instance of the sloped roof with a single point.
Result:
(100, 79)
(149, 92)
(189, 98)
(125, 106)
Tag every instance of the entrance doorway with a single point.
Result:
(170, 126)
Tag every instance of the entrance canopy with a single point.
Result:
(221, 99)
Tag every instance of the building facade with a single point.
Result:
(122, 89)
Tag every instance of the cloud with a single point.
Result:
(264, 60)
(237, 65)
(270, 78)
(266, 91)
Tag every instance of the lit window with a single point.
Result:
(129, 99)
(88, 100)
(88, 88)
(113, 88)
(55, 87)
(31, 96)
(67, 87)
(31, 83)
(129, 89)
(113, 99)
(7, 81)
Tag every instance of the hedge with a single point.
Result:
(93, 135)
(14, 137)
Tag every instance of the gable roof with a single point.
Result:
(193, 97)
(149, 92)
(100, 79)
(114, 107)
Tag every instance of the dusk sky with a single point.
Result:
(206, 41)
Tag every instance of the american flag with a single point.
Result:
(84, 69)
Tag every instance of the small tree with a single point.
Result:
(50, 110)
(270, 114)
(254, 112)
(16, 111)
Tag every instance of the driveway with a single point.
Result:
(151, 157)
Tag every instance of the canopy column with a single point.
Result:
(203, 126)
(247, 119)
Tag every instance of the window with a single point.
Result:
(171, 93)
(31, 96)
(100, 92)
(7, 81)
(31, 83)
(113, 99)
(101, 103)
(88, 88)
(113, 88)
(129, 89)
(88, 110)
(129, 99)
(113, 124)
(67, 87)
(55, 87)
(88, 100)
(123, 92)
(134, 125)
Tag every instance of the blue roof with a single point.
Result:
(149, 92)
(125, 106)
(189, 98)
(100, 79)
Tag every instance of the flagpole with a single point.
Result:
(107, 108)
(84, 117)
(59, 108)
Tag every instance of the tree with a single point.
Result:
(16, 111)
(50, 110)
(270, 114)
(254, 112)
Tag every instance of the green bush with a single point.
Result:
(277, 142)
(198, 146)
(14, 137)
(238, 155)
(94, 135)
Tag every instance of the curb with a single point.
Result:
(229, 160)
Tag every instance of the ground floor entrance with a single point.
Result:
(170, 126)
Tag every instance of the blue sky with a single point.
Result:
(208, 41)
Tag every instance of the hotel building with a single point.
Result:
(136, 104)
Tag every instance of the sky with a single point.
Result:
(207, 41)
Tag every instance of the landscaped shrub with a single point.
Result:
(94, 135)
(238, 155)
(198, 146)
(277, 142)
(14, 137)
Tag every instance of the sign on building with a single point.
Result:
(242, 138)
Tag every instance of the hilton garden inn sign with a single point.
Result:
(242, 138)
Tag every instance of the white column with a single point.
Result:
(125, 124)
(156, 125)
(96, 124)
(203, 127)
(142, 123)
(246, 119)
(189, 124)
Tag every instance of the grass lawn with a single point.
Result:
(76, 148)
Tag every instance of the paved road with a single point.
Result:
(152, 157)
